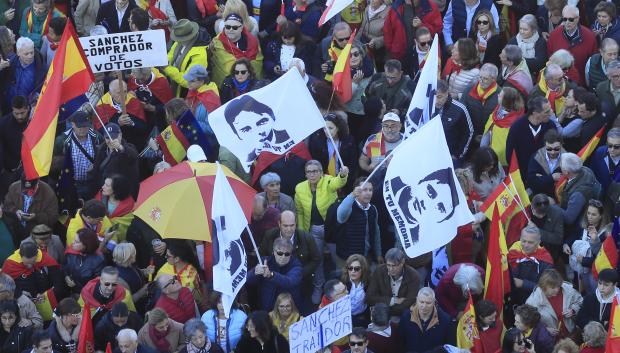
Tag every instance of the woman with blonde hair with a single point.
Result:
(129, 275)
(284, 313)
(162, 333)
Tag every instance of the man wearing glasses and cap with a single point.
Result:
(103, 292)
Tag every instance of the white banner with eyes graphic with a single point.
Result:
(425, 202)
(271, 119)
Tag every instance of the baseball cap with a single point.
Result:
(196, 154)
(81, 119)
(390, 117)
(196, 72)
(113, 130)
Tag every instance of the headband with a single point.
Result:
(234, 16)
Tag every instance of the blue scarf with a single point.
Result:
(241, 87)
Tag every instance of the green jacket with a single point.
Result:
(37, 26)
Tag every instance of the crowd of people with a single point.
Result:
(538, 80)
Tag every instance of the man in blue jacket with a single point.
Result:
(280, 272)
(605, 163)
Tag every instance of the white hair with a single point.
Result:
(563, 58)
(572, 8)
(570, 162)
(468, 278)
(24, 43)
(552, 70)
(490, 69)
(98, 30)
(426, 291)
(127, 333)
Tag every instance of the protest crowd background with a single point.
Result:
(104, 169)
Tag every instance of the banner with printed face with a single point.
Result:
(422, 193)
(271, 119)
(125, 51)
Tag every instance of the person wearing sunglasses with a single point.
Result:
(577, 39)
(543, 169)
(176, 300)
(64, 329)
(233, 43)
(356, 277)
(535, 334)
(514, 342)
(605, 163)
(241, 79)
(330, 48)
(101, 293)
(358, 341)
(485, 36)
(284, 314)
(278, 273)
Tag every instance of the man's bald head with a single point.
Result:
(287, 224)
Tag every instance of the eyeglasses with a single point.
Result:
(541, 203)
(425, 44)
(356, 343)
(613, 147)
(344, 39)
(108, 284)
(390, 127)
(569, 19)
(313, 171)
(355, 54)
(234, 28)
(482, 22)
(280, 253)
(241, 72)
(553, 149)
(354, 268)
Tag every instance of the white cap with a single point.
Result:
(196, 154)
(390, 117)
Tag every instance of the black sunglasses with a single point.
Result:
(423, 44)
(356, 343)
(343, 39)
(355, 54)
(551, 149)
(234, 28)
(569, 19)
(613, 147)
(482, 22)
(108, 284)
(354, 268)
(280, 253)
(241, 72)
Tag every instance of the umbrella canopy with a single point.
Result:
(177, 202)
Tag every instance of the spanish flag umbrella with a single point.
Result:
(177, 202)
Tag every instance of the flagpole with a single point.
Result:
(253, 242)
(334, 144)
(100, 121)
(517, 201)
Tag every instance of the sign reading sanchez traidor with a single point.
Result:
(125, 51)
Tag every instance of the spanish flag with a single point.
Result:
(497, 274)
(584, 153)
(607, 256)
(613, 334)
(467, 336)
(173, 144)
(342, 73)
(86, 337)
(69, 76)
(510, 196)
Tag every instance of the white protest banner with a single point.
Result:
(125, 51)
(272, 119)
(426, 203)
(322, 327)
(422, 103)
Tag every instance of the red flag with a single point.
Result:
(613, 335)
(108, 348)
(69, 76)
(497, 279)
(86, 337)
(342, 73)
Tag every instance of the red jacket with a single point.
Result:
(449, 295)
(491, 339)
(582, 51)
(394, 34)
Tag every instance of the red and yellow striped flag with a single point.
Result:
(173, 144)
(607, 257)
(467, 336)
(613, 335)
(69, 76)
(497, 275)
(584, 154)
(509, 196)
(342, 73)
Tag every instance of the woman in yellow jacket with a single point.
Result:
(312, 199)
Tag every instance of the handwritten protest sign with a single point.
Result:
(322, 327)
(125, 51)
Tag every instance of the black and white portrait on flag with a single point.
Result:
(426, 202)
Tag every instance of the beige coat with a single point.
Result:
(372, 28)
(571, 300)
(175, 337)
(85, 16)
